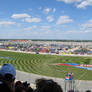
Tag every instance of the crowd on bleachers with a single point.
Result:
(8, 83)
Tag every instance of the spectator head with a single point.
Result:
(8, 72)
(44, 85)
(30, 89)
(40, 82)
(20, 88)
(18, 83)
(88, 90)
(26, 84)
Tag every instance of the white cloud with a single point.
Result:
(37, 28)
(63, 20)
(30, 28)
(84, 3)
(40, 8)
(45, 28)
(30, 20)
(90, 21)
(19, 16)
(70, 1)
(30, 9)
(54, 10)
(87, 27)
(47, 10)
(50, 18)
(7, 23)
(79, 3)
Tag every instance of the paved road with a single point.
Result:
(80, 85)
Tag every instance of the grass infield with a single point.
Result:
(45, 64)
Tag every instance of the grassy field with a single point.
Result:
(45, 64)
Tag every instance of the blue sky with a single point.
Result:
(46, 19)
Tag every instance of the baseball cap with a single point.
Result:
(8, 69)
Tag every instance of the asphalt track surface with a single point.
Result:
(80, 85)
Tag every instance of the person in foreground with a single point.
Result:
(7, 78)
(23, 87)
(47, 85)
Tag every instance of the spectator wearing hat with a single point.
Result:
(7, 74)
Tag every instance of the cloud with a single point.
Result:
(85, 3)
(45, 28)
(50, 18)
(30, 28)
(54, 10)
(47, 10)
(30, 20)
(87, 27)
(26, 18)
(37, 28)
(63, 20)
(78, 3)
(30, 9)
(40, 8)
(69, 1)
(7, 23)
(19, 16)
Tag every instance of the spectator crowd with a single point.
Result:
(8, 83)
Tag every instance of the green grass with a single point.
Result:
(44, 64)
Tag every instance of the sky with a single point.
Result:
(46, 19)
